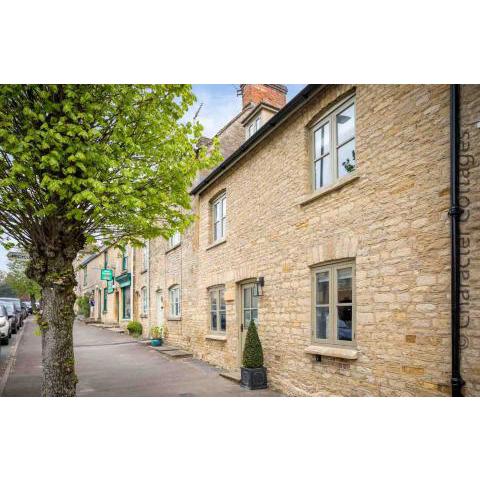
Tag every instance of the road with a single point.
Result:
(113, 364)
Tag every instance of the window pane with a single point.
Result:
(218, 230)
(346, 124)
(224, 227)
(246, 297)
(246, 318)
(224, 207)
(322, 141)
(346, 158)
(344, 324)
(344, 285)
(323, 172)
(213, 300)
(222, 299)
(322, 288)
(254, 315)
(214, 320)
(223, 321)
(321, 322)
(254, 300)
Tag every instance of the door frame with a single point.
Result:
(159, 294)
(239, 310)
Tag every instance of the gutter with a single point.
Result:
(294, 104)
(455, 212)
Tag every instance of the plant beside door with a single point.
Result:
(253, 373)
(156, 335)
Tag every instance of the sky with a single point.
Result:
(220, 104)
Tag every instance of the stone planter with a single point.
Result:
(254, 378)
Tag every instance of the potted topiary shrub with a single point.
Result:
(254, 374)
(156, 334)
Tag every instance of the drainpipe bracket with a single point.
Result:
(455, 211)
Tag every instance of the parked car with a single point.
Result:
(5, 326)
(18, 306)
(13, 315)
(28, 305)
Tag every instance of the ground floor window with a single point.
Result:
(333, 303)
(105, 300)
(174, 297)
(218, 314)
(126, 303)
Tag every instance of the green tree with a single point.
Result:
(84, 164)
(18, 281)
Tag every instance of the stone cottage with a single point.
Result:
(330, 224)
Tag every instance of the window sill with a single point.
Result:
(330, 188)
(218, 338)
(328, 351)
(174, 319)
(216, 244)
(171, 249)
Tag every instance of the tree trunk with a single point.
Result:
(56, 325)
(33, 302)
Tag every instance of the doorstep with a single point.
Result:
(172, 352)
(233, 375)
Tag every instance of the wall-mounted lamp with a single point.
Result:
(258, 287)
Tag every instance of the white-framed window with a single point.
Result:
(333, 306)
(144, 300)
(174, 297)
(145, 257)
(174, 240)
(334, 145)
(85, 275)
(254, 126)
(219, 215)
(218, 312)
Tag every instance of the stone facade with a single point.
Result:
(389, 217)
(94, 287)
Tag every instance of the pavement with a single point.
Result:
(113, 364)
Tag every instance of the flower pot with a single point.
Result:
(156, 342)
(254, 378)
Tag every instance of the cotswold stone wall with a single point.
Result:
(390, 218)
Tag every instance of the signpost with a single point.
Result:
(106, 274)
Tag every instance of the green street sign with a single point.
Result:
(110, 286)
(106, 274)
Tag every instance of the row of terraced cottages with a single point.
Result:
(328, 225)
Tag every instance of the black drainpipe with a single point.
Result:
(455, 212)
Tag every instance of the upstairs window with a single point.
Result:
(174, 240)
(124, 260)
(334, 145)
(144, 301)
(254, 126)
(145, 257)
(219, 215)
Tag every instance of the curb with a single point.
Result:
(11, 361)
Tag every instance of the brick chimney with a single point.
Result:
(273, 94)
